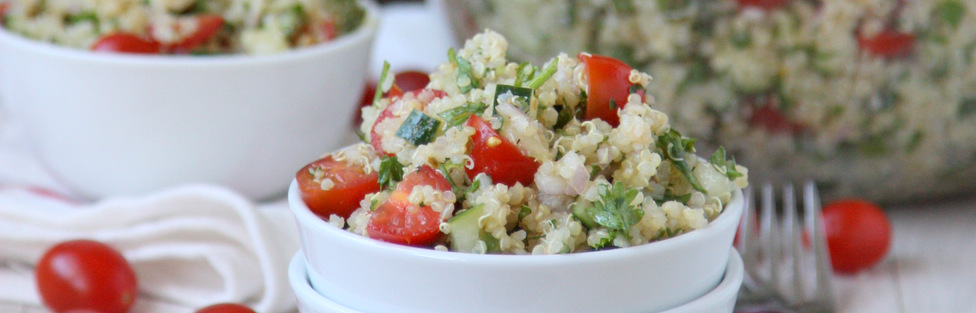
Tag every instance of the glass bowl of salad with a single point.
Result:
(108, 116)
(525, 185)
(873, 99)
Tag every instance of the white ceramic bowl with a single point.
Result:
(115, 124)
(719, 300)
(373, 276)
(722, 298)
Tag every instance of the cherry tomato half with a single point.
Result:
(496, 156)
(403, 81)
(226, 308)
(207, 28)
(399, 221)
(763, 4)
(609, 86)
(411, 80)
(858, 234)
(85, 275)
(350, 185)
(888, 43)
(126, 43)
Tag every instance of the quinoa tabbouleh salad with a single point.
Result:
(182, 26)
(501, 157)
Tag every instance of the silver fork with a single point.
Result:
(784, 273)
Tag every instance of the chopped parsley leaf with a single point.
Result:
(391, 172)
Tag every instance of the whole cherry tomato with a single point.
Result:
(226, 308)
(126, 43)
(399, 221)
(496, 156)
(85, 275)
(858, 234)
(350, 184)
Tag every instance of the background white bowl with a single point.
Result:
(719, 300)
(374, 276)
(114, 124)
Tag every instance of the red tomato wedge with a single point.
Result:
(207, 28)
(763, 4)
(399, 221)
(496, 156)
(888, 43)
(411, 80)
(608, 80)
(424, 95)
(327, 31)
(126, 43)
(350, 185)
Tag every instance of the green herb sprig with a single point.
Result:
(391, 172)
(724, 166)
(465, 77)
(673, 147)
(615, 211)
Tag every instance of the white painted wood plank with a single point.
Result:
(934, 253)
(874, 290)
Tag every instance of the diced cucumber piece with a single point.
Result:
(579, 212)
(466, 232)
(418, 128)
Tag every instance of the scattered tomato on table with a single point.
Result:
(226, 308)
(85, 275)
(858, 234)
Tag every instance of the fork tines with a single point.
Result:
(787, 266)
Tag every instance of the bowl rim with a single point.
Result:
(729, 217)
(366, 31)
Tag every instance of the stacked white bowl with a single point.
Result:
(338, 271)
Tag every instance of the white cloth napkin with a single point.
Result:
(190, 246)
